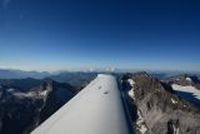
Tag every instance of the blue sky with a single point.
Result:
(130, 34)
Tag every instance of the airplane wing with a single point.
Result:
(97, 109)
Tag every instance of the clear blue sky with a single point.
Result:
(62, 34)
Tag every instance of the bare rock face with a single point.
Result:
(161, 110)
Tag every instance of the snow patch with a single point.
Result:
(131, 82)
(189, 79)
(24, 95)
(44, 93)
(174, 101)
(131, 92)
(29, 94)
(188, 89)
(141, 126)
(11, 90)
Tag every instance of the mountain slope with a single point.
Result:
(21, 112)
(159, 110)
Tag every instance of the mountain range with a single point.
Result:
(157, 103)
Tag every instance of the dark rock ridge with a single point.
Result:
(162, 112)
(21, 112)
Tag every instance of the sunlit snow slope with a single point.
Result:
(189, 93)
(97, 109)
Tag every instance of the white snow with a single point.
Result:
(44, 93)
(11, 90)
(174, 101)
(131, 92)
(28, 94)
(141, 123)
(24, 95)
(94, 110)
(189, 79)
(131, 82)
(187, 89)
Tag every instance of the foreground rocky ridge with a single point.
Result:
(22, 110)
(159, 109)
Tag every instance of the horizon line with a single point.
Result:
(99, 69)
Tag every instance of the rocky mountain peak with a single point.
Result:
(161, 109)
